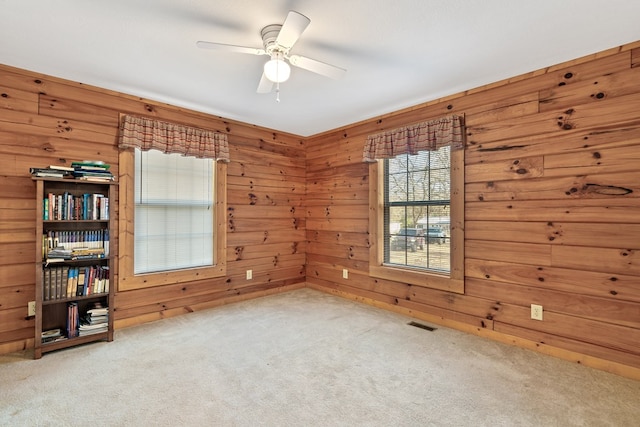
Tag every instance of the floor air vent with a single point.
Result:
(421, 326)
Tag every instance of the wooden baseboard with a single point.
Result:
(571, 356)
(17, 346)
(151, 317)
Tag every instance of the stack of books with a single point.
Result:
(87, 253)
(52, 335)
(86, 170)
(53, 171)
(92, 170)
(95, 321)
(59, 253)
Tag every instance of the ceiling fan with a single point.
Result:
(277, 42)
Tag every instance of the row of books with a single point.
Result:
(68, 282)
(72, 244)
(94, 321)
(87, 170)
(61, 254)
(67, 206)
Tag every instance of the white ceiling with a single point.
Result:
(397, 53)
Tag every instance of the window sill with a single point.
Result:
(150, 280)
(418, 278)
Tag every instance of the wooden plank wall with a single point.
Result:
(552, 202)
(45, 120)
(552, 195)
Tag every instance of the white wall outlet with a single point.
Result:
(31, 308)
(536, 312)
(249, 274)
(345, 273)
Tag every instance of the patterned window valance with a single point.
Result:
(147, 134)
(411, 139)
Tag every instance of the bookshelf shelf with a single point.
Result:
(74, 297)
(73, 221)
(71, 342)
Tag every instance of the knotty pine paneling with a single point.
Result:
(614, 112)
(562, 74)
(614, 210)
(608, 310)
(344, 238)
(556, 233)
(338, 260)
(597, 185)
(45, 120)
(618, 287)
(581, 347)
(273, 250)
(19, 100)
(574, 327)
(563, 142)
(266, 236)
(15, 253)
(605, 86)
(594, 161)
(318, 195)
(635, 57)
(78, 110)
(551, 202)
(549, 220)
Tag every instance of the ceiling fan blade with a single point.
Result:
(317, 67)
(265, 85)
(292, 28)
(230, 48)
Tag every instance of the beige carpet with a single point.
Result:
(306, 358)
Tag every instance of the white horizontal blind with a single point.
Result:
(174, 212)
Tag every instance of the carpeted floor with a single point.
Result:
(305, 358)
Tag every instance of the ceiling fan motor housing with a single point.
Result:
(269, 36)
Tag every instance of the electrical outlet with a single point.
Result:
(345, 273)
(536, 312)
(31, 308)
(249, 274)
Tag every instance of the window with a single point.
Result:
(416, 228)
(173, 212)
(172, 225)
(417, 192)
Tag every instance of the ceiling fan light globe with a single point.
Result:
(277, 70)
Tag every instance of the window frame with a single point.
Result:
(127, 279)
(452, 282)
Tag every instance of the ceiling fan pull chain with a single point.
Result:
(278, 92)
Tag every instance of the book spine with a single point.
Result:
(46, 280)
(59, 208)
(105, 241)
(45, 209)
(105, 289)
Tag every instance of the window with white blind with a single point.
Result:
(172, 224)
(174, 212)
